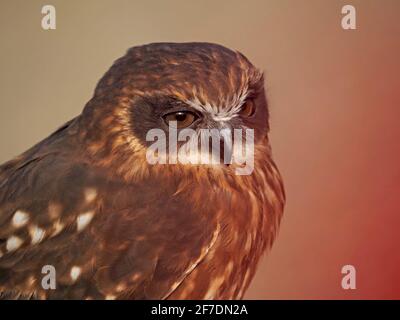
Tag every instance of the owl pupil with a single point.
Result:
(180, 116)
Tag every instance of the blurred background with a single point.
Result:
(335, 115)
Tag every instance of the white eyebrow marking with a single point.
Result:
(228, 109)
(37, 234)
(13, 243)
(20, 219)
(83, 220)
(75, 273)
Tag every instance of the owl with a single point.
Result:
(87, 203)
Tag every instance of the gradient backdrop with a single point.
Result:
(335, 105)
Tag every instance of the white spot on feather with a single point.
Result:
(58, 227)
(83, 220)
(37, 234)
(20, 219)
(75, 273)
(13, 243)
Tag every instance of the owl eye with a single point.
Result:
(248, 108)
(183, 119)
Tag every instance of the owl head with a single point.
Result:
(197, 86)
